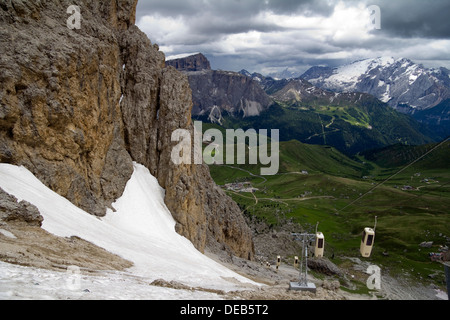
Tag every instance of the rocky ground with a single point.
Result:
(332, 282)
(31, 246)
(277, 283)
(24, 242)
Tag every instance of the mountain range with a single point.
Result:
(404, 85)
(401, 83)
(351, 121)
(216, 93)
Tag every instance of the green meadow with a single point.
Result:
(316, 183)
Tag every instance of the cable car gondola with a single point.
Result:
(367, 241)
(320, 244)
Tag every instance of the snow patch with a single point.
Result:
(29, 283)
(386, 97)
(347, 76)
(142, 230)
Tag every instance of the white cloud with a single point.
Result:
(269, 38)
(163, 30)
(348, 24)
(242, 42)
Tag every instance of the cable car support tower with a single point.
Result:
(303, 283)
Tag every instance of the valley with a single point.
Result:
(345, 158)
(318, 184)
(349, 121)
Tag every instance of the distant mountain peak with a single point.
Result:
(189, 62)
(181, 56)
(245, 73)
(218, 92)
(288, 73)
(400, 82)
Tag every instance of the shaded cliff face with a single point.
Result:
(196, 62)
(77, 106)
(222, 92)
(216, 93)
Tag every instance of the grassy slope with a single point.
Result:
(405, 218)
(349, 128)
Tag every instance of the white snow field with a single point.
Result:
(141, 230)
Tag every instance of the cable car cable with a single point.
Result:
(401, 170)
(416, 196)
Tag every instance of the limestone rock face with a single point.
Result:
(78, 106)
(216, 93)
(196, 62)
(204, 213)
(11, 209)
(60, 114)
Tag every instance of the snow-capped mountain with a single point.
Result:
(403, 84)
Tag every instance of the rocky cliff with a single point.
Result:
(216, 93)
(78, 106)
(196, 62)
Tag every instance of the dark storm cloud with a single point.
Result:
(415, 18)
(214, 17)
(235, 8)
(221, 25)
(171, 8)
(253, 34)
(307, 7)
(222, 17)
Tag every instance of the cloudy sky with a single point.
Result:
(268, 36)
